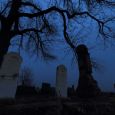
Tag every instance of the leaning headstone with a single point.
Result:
(9, 74)
(87, 86)
(61, 81)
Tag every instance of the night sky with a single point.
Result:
(102, 52)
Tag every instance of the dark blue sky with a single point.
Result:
(102, 52)
(46, 71)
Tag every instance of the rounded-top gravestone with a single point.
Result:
(9, 72)
(11, 64)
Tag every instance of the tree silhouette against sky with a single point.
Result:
(29, 20)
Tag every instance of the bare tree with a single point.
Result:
(15, 14)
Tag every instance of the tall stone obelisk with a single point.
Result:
(61, 81)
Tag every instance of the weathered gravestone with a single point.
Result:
(61, 81)
(9, 74)
(87, 86)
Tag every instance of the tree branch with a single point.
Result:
(21, 32)
(62, 13)
(31, 5)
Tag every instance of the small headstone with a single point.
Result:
(61, 81)
(114, 85)
(87, 86)
(71, 91)
(46, 89)
(25, 91)
(9, 74)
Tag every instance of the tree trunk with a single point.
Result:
(6, 28)
(4, 45)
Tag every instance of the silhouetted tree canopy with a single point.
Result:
(29, 19)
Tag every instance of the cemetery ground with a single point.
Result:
(50, 105)
(86, 99)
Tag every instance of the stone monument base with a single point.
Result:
(87, 87)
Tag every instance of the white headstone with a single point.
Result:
(9, 72)
(61, 81)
